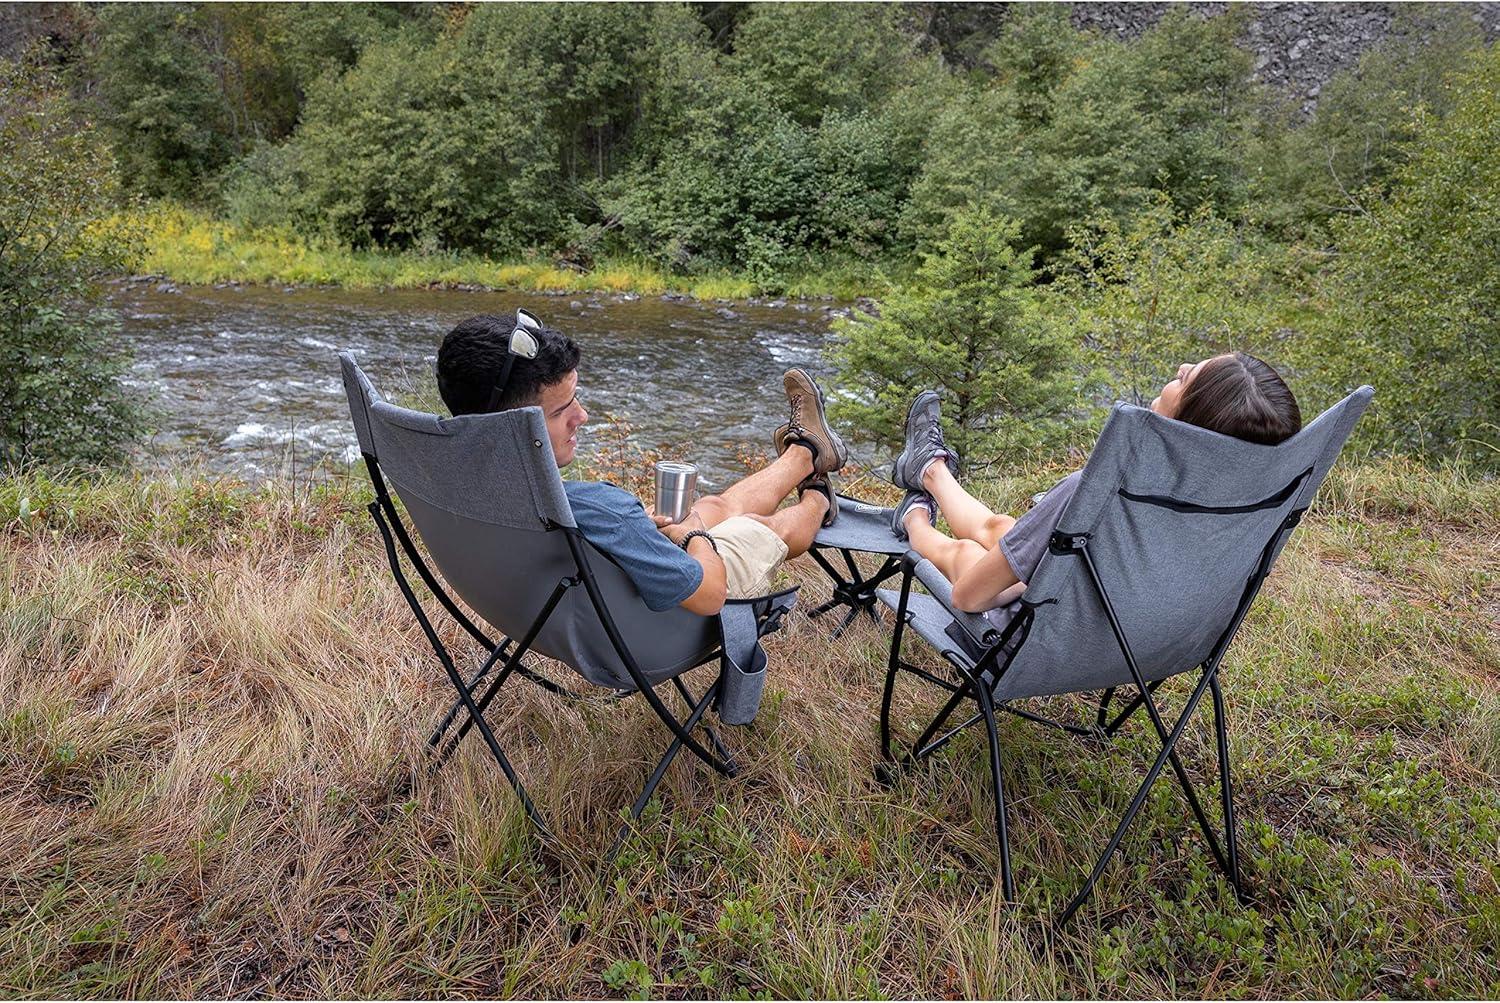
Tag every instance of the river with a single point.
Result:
(246, 380)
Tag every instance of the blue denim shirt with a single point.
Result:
(616, 523)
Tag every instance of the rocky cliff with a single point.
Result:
(1298, 47)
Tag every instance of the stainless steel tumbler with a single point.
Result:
(676, 489)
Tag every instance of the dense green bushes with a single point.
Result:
(60, 396)
(811, 130)
(1166, 207)
(1415, 290)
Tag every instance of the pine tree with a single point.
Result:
(967, 327)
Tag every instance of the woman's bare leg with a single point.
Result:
(951, 557)
(968, 517)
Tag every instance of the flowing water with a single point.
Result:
(246, 379)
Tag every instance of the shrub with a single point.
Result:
(781, 155)
(1074, 127)
(967, 328)
(1414, 290)
(1306, 174)
(1170, 288)
(489, 139)
(60, 396)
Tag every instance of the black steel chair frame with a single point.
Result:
(990, 667)
(856, 592)
(509, 654)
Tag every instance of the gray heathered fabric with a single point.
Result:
(976, 625)
(479, 490)
(744, 679)
(1174, 577)
(861, 526)
(493, 468)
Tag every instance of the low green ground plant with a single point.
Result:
(215, 704)
(186, 245)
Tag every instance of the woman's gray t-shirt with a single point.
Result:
(1028, 540)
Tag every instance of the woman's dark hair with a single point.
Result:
(1239, 395)
(473, 354)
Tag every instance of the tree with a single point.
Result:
(60, 395)
(161, 99)
(967, 328)
(1414, 295)
(810, 59)
(1303, 174)
(1074, 127)
(1169, 288)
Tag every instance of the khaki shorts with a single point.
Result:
(751, 554)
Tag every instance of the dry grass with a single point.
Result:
(215, 702)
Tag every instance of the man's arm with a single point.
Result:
(712, 591)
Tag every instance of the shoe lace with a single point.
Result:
(796, 422)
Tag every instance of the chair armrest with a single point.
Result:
(980, 630)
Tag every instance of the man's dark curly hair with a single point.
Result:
(473, 354)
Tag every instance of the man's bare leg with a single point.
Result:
(797, 524)
(763, 491)
(968, 517)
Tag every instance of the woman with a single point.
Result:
(993, 555)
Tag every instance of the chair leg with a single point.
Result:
(472, 683)
(1188, 791)
(1135, 704)
(987, 709)
(1198, 813)
(1226, 792)
(483, 704)
(656, 776)
(1168, 747)
(713, 736)
(857, 591)
(893, 666)
(512, 663)
(840, 586)
(849, 618)
(475, 714)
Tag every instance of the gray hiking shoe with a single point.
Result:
(823, 485)
(913, 499)
(924, 441)
(808, 424)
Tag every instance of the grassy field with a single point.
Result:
(187, 246)
(214, 703)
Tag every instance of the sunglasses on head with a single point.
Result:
(525, 342)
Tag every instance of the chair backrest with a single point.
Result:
(1178, 520)
(485, 497)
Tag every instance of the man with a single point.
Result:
(730, 545)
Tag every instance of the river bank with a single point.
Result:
(185, 246)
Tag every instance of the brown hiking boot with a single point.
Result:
(808, 425)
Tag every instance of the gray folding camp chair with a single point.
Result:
(860, 528)
(1153, 566)
(484, 495)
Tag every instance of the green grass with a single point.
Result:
(187, 246)
(214, 703)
